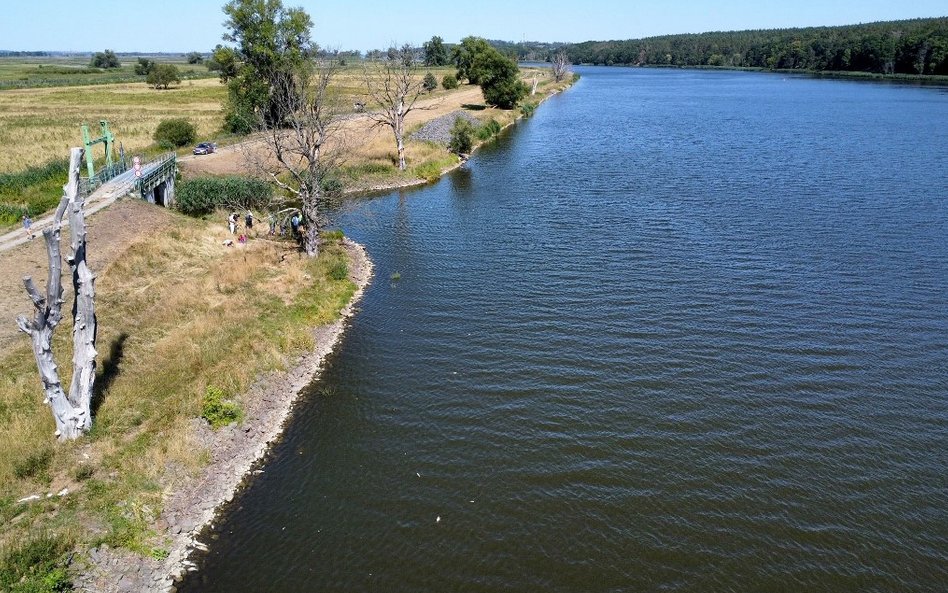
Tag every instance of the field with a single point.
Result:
(41, 124)
(32, 72)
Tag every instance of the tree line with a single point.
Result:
(918, 46)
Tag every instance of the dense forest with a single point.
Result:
(897, 47)
(917, 46)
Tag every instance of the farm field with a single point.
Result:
(74, 70)
(41, 124)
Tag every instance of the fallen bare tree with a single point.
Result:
(394, 86)
(72, 410)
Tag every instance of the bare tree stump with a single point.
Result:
(70, 411)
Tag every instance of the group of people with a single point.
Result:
(295, 221)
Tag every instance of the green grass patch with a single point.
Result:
(37, 566)
(31, 191)
(218, 410)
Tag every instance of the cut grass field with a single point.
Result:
(178, 312)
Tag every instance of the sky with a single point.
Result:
(197, 25)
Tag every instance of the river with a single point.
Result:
(678, 331)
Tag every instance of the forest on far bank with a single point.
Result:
(918, 46)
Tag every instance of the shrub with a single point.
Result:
(504, 93)
(163, 76)
(217, 410)
(449, 82)
(37, 566)
(528, 108)
(203, 195)
(175, 133)
(106, 59)
(430, 83)
(490, 129)
(144, 66)
(339, 270)
(462, 136)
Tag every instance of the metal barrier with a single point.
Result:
(87, 185)
(162, 167)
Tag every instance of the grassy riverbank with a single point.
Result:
(182, 317)
(179, 313)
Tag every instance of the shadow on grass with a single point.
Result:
(473, 106)
(110, 370)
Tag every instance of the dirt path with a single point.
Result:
(230, 160)
(110, 232)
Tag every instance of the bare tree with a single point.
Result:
(560, 66)
(394, 86)
(295, 155)
(72, 411)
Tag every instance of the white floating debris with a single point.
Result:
(438, 520)
(418, 474)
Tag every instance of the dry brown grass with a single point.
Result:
(40, 124)
(178, 311)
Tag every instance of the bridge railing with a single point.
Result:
(87, 185)
(159, 168)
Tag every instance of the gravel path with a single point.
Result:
(439, 129)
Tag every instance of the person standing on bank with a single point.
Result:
(232, 223)
(28, 226)
(248, 222)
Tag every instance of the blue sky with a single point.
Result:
(186, 25)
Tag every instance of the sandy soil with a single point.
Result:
(110, 232)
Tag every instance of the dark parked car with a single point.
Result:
(205, 148)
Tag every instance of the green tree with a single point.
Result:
(144, 66)
(271, 41)
(463, 57)
(223, 60)
(106, 59)
(195, 57)
(430, 83)
(449, 82)
(163, 75)
(435, 52)
(499, 78)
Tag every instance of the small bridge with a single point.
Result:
(156, 182)
(152, 181)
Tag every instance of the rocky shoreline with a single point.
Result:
(192, 504)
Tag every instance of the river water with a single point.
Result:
(679, 331)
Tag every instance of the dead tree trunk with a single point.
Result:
(70, 411)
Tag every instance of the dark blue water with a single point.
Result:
(680, 331)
